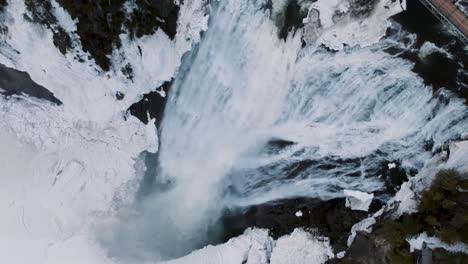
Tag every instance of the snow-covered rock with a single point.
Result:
(365, 225)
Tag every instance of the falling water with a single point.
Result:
(256, 118)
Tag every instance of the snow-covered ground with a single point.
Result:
(63, 168)
(59, 175)
(255, 247)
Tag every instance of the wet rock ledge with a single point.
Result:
(328, 218)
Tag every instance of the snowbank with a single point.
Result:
(256, 247)
(357, 200)
(64, 168)
(59, 176)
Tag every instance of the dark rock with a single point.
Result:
(362, 8)
(291, 19)
(62, 40)
(330, 218)
(3, 5)
(99, 26)
(3, 27)
(441, 256)
(276, 145)
(120, 96)
(367, 249)
(151, 15)
(100, 22)
(16, 82)
(152, 104)
(127, 70)
(41, 12)
(393, 177)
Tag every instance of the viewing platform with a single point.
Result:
(449, 13)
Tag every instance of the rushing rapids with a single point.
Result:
(252, 118)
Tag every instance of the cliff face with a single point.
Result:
(100, 23)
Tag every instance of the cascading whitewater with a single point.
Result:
(252, 108)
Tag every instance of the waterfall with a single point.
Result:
(255, 118)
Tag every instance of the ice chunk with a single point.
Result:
(357, 200)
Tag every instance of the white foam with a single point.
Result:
(428, 48)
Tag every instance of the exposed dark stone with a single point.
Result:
(366, 249)
(362, 8)
(3, 5)
(3, 27)
(41, 12)
(16, 82)
(99, 26)
(127, 70)
(330, 218)
(120, 96)
(152, 104)
(393, 177)
(276, 145)
(100, 22)
(151, 15)
(441, 256)
(291, 19)
(62, 40)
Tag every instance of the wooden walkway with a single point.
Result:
(448, 12)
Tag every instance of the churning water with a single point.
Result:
(254, 118)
